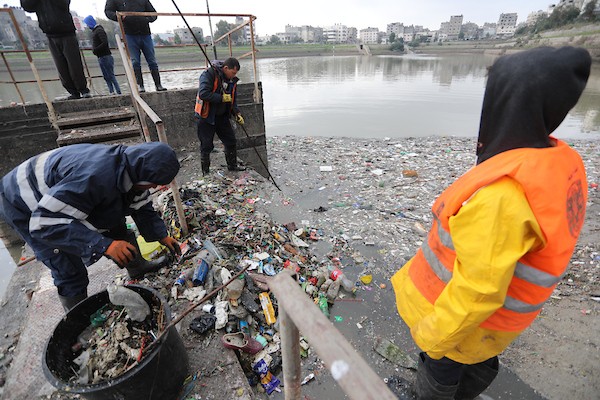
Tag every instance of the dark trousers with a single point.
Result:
(222, 127)
(65, 52)
(448, 372)
(107, 66)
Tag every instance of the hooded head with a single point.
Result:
(527, 96)
(151, 163)
(90, 22)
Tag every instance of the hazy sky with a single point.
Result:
(272, 16)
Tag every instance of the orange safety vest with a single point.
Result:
(202, 108)
(554, 183)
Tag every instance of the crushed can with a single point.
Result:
(200, 273)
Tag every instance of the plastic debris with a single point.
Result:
(394, 354)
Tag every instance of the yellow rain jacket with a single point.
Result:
(492, 229)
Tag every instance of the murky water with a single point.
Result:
(355, 96)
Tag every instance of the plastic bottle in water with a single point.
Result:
(347, 284)
(134, 303)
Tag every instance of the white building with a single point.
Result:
(451, 29)
(533, 17)
(186, 36)
(395, 27)
(507, 24)
(369, 35)
(337, 33)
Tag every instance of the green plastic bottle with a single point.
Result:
(323, 304)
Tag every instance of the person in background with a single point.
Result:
(56, 22)
(101, 50)
(215, 103)
(137, 34)
(504, 232)
(70, 204)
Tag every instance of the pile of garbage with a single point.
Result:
(227, 234)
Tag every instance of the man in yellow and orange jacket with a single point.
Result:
(504, 232)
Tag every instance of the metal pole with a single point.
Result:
(89, 75)
(212, 36)
(133, 87)
(12, 77)
(290, 353)
(162, 137)
(51, 111)
(257, 96)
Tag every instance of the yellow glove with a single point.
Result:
(226, 98)
(239, 119)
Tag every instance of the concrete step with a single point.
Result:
(99, 133)
(86, 118)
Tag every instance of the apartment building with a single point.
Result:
(507, 25)
(186, 36)
(369, 35)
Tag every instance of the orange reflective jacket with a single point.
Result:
(202, 108)
(553, 180)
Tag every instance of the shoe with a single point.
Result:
(205, 163)
(86, 94)
(156, 77)
(231, 158)
(74, 96)
(139, 79)
(241, 341)
(69, 302)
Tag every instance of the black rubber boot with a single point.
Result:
(428, 388)
(231, 159)
(476, 378)
(156, 77)
(139, 267)
(70, 302)
(205, 163)
(139, 79)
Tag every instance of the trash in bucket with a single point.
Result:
(98, 352)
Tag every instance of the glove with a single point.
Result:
(121, 252)
(172, 245)
(239, 119)
(226, 98)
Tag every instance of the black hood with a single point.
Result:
(152, 162)
(528, 95)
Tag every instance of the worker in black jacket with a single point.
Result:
(101, 49)
(56, 22)
(137, 34)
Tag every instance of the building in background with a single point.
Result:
(451, 29)
(336, 33)
(369, 35)
(186, 36)
(488, 30)
(533, 17)
(507, 25)
(30, 29)
(397, 28)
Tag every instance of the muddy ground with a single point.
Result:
(378, 193)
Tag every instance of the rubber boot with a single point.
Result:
(475, 379)
(70, 302)
(139, 79)
(205, 163)
(231, 158)
(428, 388)
(156, 77)
(139, 267)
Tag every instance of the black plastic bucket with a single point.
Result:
(159, 375)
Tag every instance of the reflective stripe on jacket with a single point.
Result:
(553, 180)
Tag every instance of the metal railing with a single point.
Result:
(297, 313)
(143, 109)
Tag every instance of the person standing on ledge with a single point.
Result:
(101, 50)
(504, 232)
(215, 102)
(70, 204)
(55, 20)
(137, 34)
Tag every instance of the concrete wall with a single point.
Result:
(26, 131)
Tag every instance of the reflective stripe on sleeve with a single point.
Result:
(536, 277)
(55, 205)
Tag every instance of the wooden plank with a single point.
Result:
(351, 372)
(290, 351)
(95, 117)
(96, 135)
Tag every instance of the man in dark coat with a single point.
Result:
(56, 22)
(137, 34)
(101, 49)
(69, 204)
